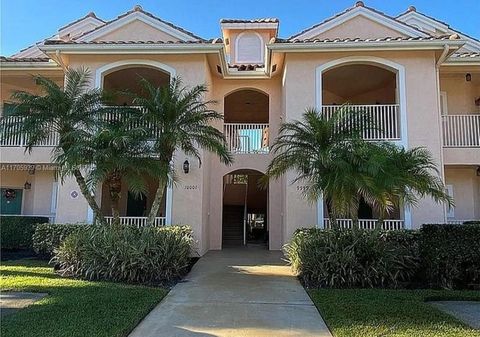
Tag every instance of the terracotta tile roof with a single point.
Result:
(24, 59)
(260, 20)
(73, 42)
(382, 39)
(246, 67)
(357, 4)
(91, 15)
(465, 55)
(138, 8)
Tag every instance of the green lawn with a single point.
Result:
(73, 307)
(390, 313)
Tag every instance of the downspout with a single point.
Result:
(442, 58)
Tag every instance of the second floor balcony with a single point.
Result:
(461, 131)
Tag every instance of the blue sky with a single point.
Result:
(24, 22)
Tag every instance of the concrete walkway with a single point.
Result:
(236, 293)
(11, 302)
(466, 311)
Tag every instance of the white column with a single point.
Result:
(320, 215)
(169, 204)
(407, 217)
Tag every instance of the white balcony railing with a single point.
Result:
(461, 130)
(366, 224)
(247, 138)
(139, 221)
(385, 117)
(10, 128)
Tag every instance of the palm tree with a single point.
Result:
(180, 119)
(330, 156)
(67, 111)
(117, 151)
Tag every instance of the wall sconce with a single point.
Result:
(27, 186)
(186, 166)
(468, 77)
(478, 171)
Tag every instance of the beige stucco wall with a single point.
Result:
(466, 191)
(37, 200)
(137, 31)
(359, 27)
(461, 94)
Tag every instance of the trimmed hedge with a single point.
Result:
(48, 237)
(16, 231)
(451, 255)
(147, 255)
(353, 258)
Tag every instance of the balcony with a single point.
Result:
(249, 138)
(137, 221)
(367, 224)
(10, 134)
(385, 117)
(461, 131)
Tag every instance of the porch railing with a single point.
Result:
(385, 117)
(251, 138)
(10, 135)
(461, 130)
(138, 221)
(366, 224)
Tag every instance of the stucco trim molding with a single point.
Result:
(110, 67)
(401, 99)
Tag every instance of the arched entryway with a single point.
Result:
(244, 209)
(122, 79)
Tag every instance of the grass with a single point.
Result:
(390, 313)
(73, 307)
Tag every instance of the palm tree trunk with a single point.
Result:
(98, 216)
(115, 189)
(156, 202)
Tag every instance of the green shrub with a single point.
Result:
(128, 254)
(17, 231)
(48, 237)
(451, 255)
(353, 258)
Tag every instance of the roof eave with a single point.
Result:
(12, 65)
(134, 48)
(341, 46)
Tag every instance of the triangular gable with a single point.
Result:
(138, 25)
(348, 24)
(435, 27)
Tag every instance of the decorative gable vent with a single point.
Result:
(249, 48)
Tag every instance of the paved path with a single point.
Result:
(466, 311)
(236, 293)
(11, 302)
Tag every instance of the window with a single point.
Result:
(450, 210)
(8, 108)
(249, 48)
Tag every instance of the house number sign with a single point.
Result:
(191, 187)
(302, 188)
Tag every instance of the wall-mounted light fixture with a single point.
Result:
(186, 166)
(27, 186)
(468, 77)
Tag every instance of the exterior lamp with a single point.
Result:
(27, 186)
(186, 166)
(468, 77)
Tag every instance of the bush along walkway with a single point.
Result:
(72, 307)
(231, 293)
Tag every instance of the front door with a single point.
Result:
(11, 201)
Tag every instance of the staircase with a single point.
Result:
(232, 226)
